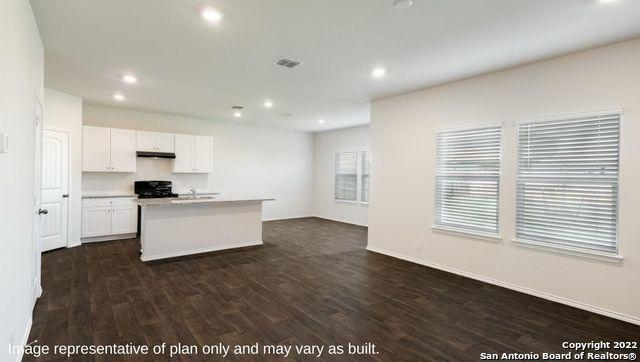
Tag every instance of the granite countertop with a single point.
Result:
(108, 194)
(178, 201)
(114, 194)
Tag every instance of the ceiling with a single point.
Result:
(191, 68)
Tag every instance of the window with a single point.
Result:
(353, 171)
(567, 188)
(365, 175)
(467, 180)
(346, 172)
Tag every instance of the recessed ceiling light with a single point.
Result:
(402, 4)
(268, 103)
(237, 114)
(211, 15)
(378, 72)
(321, 121)
(118, 97)
(129, 78)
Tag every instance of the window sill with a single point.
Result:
(351, 202)
(496, 238)
(345, 201)
(567, 250)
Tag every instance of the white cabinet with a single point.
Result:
(109, 216)
(96, 149)
(123, 150)
(108, 149)
(96, 221)
(155, 141)
(194, 154)
(124, 219)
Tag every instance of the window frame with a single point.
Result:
(474, 234)
(611, 257)
(358, 152)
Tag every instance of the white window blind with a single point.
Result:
(467, 179)
(365, 175)
(567, 188)
(346, 172)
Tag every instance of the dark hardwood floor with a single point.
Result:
(311, 283)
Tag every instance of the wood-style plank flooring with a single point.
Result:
(312, 282)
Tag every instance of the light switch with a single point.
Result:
(4, 143)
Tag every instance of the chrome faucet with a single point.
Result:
(193, 192)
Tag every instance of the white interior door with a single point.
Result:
(37, 209)
(55, 189)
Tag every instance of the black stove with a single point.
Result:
(153, 189)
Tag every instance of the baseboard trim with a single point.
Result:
(96, 239)
(536, 293)
(287, 218)
(340, 220)
(200, 251)
(25, 339)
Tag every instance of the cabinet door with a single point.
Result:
(124, 219)
(96, 221)
(164, 142)
(146, 141)
(96, 149)
(184, 154)
(123, 150)
(203, 154)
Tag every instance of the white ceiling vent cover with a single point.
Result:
(286, 62)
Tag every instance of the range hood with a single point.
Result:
(156, 154)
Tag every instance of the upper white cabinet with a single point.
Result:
(155, 141)
(108, 149)
(194, 154)
(96, 149)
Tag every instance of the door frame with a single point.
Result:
(69, 133)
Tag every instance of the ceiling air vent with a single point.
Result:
(286, 62)
(237, 107)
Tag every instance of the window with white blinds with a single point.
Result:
(467, 180)
(365, 175)
(567, 189)
(346, 176)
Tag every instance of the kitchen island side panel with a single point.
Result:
(176, 230)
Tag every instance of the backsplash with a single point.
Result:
(147, 169)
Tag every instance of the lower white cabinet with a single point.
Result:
(109, 216)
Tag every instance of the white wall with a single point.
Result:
(327, 144)
(64, 111)
(403, 145)
(247, 160)
(21, 79)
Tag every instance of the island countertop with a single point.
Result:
(179, 201)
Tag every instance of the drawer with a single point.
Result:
(106, 202)
(123, 201)
(101, 202)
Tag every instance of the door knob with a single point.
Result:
(43, 211)
(65, 195)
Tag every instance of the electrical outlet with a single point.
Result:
(419, 245)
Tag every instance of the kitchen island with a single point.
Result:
(173, 227)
